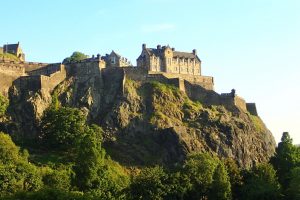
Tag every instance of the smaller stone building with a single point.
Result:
(14, 49)
(166, 59)
(115, 60)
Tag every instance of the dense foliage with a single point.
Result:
(75, 57)
(87, 172)
(3, 105)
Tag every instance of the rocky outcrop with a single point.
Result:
(150, 123)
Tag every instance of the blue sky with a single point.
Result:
(250, 45)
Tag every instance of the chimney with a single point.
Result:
(194, 51)
(144, 46)
(159, 46)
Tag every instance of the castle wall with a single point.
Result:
(31, 66)
(206, 82)
(251, 107)
(135, 73)
(198, 93)
(11, 68)
(231, 101)
(47, 70)
(240, 102)
(85, 67)
(51, 81)
(28, 83)
(9, 71)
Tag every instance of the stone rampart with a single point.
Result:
(47, 70)
(18, 66)
(251, 107)
(51, 81)
(28, 83)
(86, 67)
(135, 73)
(12, 68)
(206, 82)
(9, 71)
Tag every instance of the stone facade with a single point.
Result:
(115, 60)
(166, 59)
(14, 49)
(162, 64)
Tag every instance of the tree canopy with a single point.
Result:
(75, 57)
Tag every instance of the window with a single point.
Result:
(113, 60)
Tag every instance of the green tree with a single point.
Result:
(58, 178)
(75, 57)
(261, 183)
(287, 157)
(3, 105)
(48, 194)
(293, 191)
(235, 176)
(220, 188)
(150, 184)
(199, 168)
(9, 152)
(63, 128)
(16, 173)
(89, 162)
(93, 176)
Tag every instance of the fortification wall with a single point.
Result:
(251, 107)
(231, 101)
(198, 93)
(135, 73)
(11, 68)
(206, 82)
(84, 68)
(240, 102)
(28, 83)
(51, 81)
(47, 70)
(9, 71)
(20, 67)
(31, 66)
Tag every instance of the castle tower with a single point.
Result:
(168, 59)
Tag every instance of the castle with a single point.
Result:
(14, 49)
(163, 64)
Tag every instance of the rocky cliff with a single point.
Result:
(149, 123)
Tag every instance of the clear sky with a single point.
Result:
(250, 45)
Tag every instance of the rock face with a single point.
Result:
(149, 122)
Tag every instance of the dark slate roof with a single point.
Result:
(183, 54)
(153, 51)
(11, 47)
(157, 53)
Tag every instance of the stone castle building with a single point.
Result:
(115, 60)
(14, 49)
(163, 64)
(166, 59)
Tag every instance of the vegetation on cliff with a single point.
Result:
(90, 174)
(150, 142)
(8, 56)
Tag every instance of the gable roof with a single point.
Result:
(113, 52)
(179, 54)
(11, 47)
